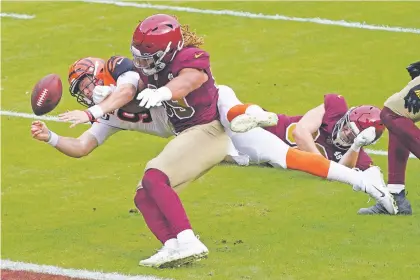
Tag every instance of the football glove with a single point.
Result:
(412, 100)
(414, 69)
(102, 92)
(366, 137)
(154, 97)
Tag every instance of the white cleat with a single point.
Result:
(193, 250)
(163, 258)
(374, 185)
(245, 122)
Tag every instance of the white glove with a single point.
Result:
(154, 97)
(366, 137)
(101, 92)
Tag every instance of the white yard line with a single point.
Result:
(17, 16)
(74, 273)
(343, 23)
(29, 116)
(55, 119)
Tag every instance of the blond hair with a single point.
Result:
(191, 39)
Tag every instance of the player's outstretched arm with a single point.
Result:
(306, 127)
(72, 147)
(122, 95)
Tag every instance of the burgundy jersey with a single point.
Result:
(200, 105)
(335, 108)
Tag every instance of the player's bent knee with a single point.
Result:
(237, 110)
(152, 177)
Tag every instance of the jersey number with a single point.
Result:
(292, 142)
(179, 108)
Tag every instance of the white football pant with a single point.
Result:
(258, 144)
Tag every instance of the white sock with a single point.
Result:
(186, 235)
(255, 110)
(396, 188)
(341, 173)
(171, 243)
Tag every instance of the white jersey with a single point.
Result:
(154, 122)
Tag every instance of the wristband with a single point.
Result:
(90, 116)
(52, 138)
(96, 111)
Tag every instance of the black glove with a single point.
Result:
(414, 69)
(412, 100)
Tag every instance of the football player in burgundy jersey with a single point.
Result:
(330, 129)
(177, 75)
(400, 113)
(276, 147)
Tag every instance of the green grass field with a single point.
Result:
(259, 223)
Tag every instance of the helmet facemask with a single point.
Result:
(80, 93)
(151, 64)
(344, 132)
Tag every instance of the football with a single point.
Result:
(46, 94)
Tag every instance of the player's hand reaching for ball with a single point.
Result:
(75, 116)
(40, 131)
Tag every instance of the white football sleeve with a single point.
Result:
(130, 77)
(102, 131)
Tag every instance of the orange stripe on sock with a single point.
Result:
(236, 111)
(314, 164)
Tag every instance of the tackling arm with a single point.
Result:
(122, 96)
(305, 128)
(188, 80)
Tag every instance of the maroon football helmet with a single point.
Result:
(355, 121)
(155, 43)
